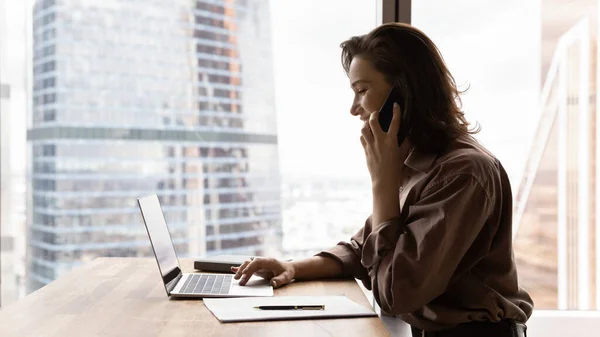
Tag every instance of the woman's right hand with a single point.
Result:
(278, 272)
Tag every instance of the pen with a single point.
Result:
(290, 307)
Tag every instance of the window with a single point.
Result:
(531, 85)
(234, 117)
(325, 198)
(229, 122)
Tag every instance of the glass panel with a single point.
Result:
(229, 110)
(178, 101)
(13, 111)
(326, 190)
(531, 72)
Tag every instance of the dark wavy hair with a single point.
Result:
(407, 57)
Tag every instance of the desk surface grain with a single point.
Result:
(125, 297)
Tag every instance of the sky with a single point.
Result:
(12, 58)
(491, 46)
(316, 133)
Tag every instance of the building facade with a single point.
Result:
(137, 97)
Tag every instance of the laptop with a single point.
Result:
(179, 284)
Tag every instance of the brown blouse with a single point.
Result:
(448, 258)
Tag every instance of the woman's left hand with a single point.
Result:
(382, 150)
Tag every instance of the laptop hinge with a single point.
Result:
(171, 285)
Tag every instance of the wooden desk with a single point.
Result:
(125, 297)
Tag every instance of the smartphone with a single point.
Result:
(387, 110)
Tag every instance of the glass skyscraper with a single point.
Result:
(174, 97)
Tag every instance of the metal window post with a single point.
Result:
(394, 11)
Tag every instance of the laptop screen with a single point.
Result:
(160, 238)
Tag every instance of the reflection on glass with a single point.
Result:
(556, 245)
(555, 221)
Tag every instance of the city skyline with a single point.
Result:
(187, 114)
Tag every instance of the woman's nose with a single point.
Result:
(354, 110)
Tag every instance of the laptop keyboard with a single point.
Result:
(217, 284)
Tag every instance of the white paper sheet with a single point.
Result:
(242, 309)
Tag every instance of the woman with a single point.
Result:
(437, 249)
